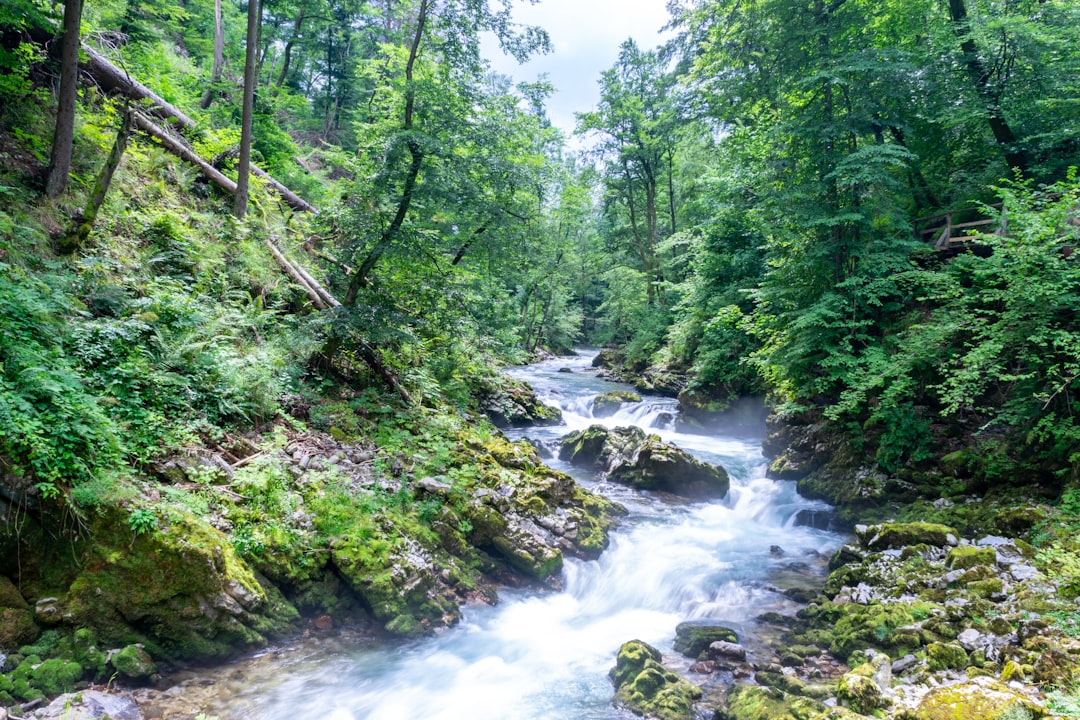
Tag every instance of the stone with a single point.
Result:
(607, 404)
(751, 702)
(693, 637)
(724, 650)
(134, 662)
(48, 610)
(903, 664)
(627, 455)
(970, 639)
(969, 556)
(647, 688)
(946, 656)
(17, 628)
(90, 705)
(437, 485)
(895, 536)
(859, 693)
(10, 597)
(980, 698)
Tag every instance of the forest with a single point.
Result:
(230, 231)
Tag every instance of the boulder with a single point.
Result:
(513, 403)
(607, 404)
(981, 698)
(647, 688)
(10, 597)
(133, 662)
(627, 455)
(724, 650)
(894, 536)
(694, 637)
(181, 590)
(17, 628)
(90, 705)
(968, 556)
(752, 702)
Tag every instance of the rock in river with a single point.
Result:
(627, 455)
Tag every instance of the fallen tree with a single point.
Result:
(115, 80)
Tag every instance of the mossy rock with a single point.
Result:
(753, 702)
(981, 698)
(693, 637)
(10, 597)
(133, 662)
(607, 404)
(181, 590)
(942, 656)
(969, 556)
(986, 588)
(894, 536)
(17, 628)
(647, 688)
(860, 693)
(55, 676)
(629, 456)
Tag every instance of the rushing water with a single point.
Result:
(546, 655)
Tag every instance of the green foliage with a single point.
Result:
(142, 520)
(56, 431)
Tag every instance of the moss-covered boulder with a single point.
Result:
(17, 628)
(860, 693)
(752, 702)
(982, 698)
(969, 556)
(509, 402)
(946, 656)
(647, 688)
(179, 589)
(693, 637)
(894, 536)
(627, 455)
(607, 404)
(398, 577)
(133, 662)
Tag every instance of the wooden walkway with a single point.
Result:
(956, 229)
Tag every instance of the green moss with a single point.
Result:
(56, 676)
(648, 688)
(182, 586)
(134, 662)
(979, 699)
(894, 536)
(692, 638)
(751, 702)
(941, 656)
(968, 556)
(859, 692)
(985, 588)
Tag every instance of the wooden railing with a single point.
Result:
(957, 228)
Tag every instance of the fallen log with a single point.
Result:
(181, 150)
(112, 79)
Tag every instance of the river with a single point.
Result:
(546, 655)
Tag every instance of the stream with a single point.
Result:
(546, 655)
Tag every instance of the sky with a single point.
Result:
(585, 37)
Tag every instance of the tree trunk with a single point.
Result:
(85, 222)
(243, 169)
(980, 76)
(64, 134)
(417, 155)
(112, 79)
(287, 59)
(219, 57)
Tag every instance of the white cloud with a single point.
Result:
(585, 35)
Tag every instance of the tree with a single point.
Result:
(636, 119)
(64, 135)
(244, 165)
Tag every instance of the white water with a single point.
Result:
(546, 655)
